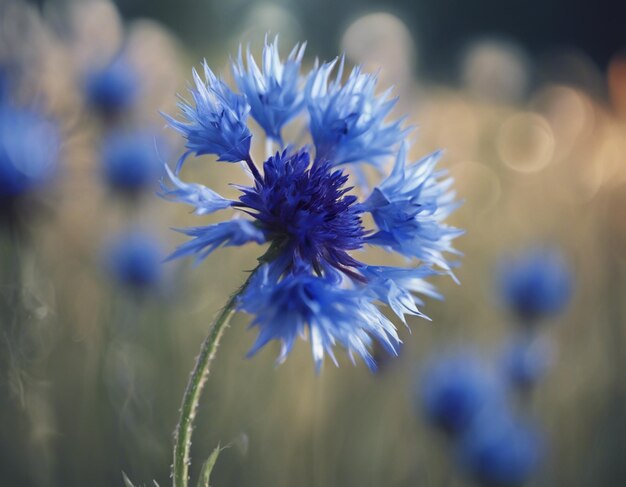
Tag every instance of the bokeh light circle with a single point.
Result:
(525, 142)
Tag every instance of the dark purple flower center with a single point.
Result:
(306, 211)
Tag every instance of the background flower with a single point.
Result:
(535, 284)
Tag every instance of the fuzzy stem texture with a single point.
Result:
(199, 375)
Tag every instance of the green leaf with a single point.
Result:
(205, 474)
(127, 481)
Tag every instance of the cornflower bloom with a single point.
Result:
(134, 260)
(535, 284)
(456, 389)
(130, 163)
(112, 88)
(29, 151)
(501, 451)
(301, 205)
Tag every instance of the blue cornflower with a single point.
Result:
(347, 120)
(29, 150)
(308, 282)
(536, 283)
(112, 88)
(129, 161)
(216, 123)
(501, 451)
(273, 91)
(134, 259)
(455, 389)
(525, 360)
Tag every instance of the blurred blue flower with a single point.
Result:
(536, 283)
(501, 451)
(456, 388)
(130, 161)
(216, 123)
(112, 88)
(526, 360)
(273, 91)
(308, 284)
(29, 150)
(347, 120)
(409, 208)
(134, 259)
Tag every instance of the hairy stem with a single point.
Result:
(199, 375)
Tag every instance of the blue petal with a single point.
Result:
(273, 91)
(347, 121)
(409, 208)
(302, 304)
(204, 200)
(206, 239)
(216, 122)
(397, 286)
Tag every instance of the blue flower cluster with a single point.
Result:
(302, 204)
(534, 285)
(466, 399)
(469, 399)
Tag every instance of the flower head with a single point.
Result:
(348, 120)
(216, 121)
(273, 90)
(134, 259)
(29, 151)
(535, 284)
(129, 161)
(501, 451)
(309, 282)
(112, 88)
(456, 389)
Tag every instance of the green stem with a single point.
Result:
(199, 375)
